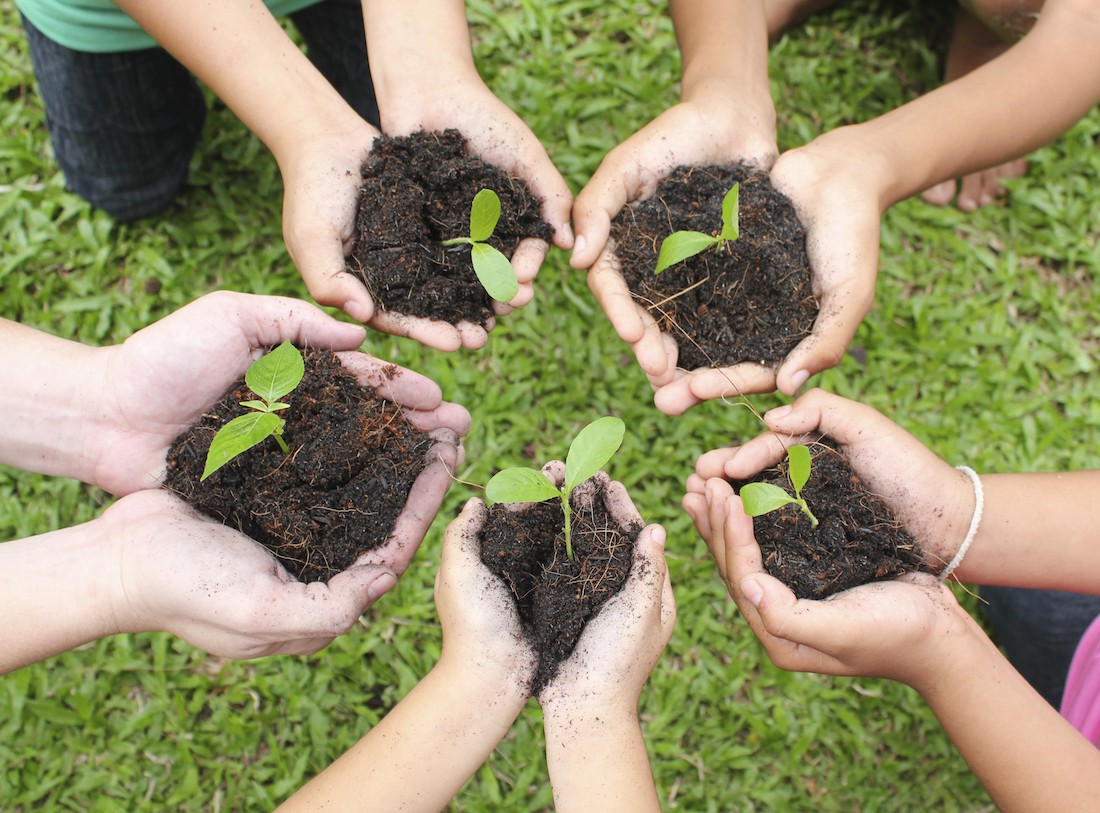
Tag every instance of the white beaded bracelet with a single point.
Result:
(972, 531)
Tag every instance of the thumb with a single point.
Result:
(358, 587)
(601, 199)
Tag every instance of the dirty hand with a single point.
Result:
(147, 390)
(621, 644)
(690, 133)
(482, 636)
(177, 571)
(499, 137)
(900, 629)
(931, 499)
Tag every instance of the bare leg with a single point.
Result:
(973, 43)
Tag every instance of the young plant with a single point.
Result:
(763, 498)
(271, 377)
(680, 245)
(493, 269)
(590, 450)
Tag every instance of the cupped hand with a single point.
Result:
(499, 137)
(931, 499)
(481, 626)
(621, 644)
(898, 629)
(690, 133)
(220, 591)
(158, 382)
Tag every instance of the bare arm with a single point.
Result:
(912, 630)
(975, 121)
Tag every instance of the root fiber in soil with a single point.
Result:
(416, 192)
(750, 301)
(353, 460)
(858, 539)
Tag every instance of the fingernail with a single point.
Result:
(381, 585)
(579, 245)
(752, 591)
(779, 412)
(658, 534)
(799, 378)
(355, 311)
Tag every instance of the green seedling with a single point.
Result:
(680, 245)
(270, 378)
(493, 269)
(763, 498)
(590, 450)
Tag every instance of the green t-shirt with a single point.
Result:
(100, 27)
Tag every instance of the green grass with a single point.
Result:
(982, 342)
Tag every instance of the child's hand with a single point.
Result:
(620, 646)
(482, 636)
(690, 133)
(898, 629)
(931, 499)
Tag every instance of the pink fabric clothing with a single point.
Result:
(1081, 701)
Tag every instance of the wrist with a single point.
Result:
(506, 683)
(845, 158)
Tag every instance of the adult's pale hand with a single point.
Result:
(900, 629)
(153, 386)
(481, 626)
(177, 571)
(931, 499)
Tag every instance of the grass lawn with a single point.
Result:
(982, 342)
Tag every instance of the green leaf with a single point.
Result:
(763, 498)
(798, 466)
(591, 449)
(260, 406)
(520, 485)
(680, 245)
(279, 372)
(484, 215)
(239, 435)
(495, 273)
(730, 209)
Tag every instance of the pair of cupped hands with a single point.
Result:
(833, 193)
(172, 569)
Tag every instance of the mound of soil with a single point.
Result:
(858, 540)
(556, 596)
(752, 300)
(417, 191)
(353, 460)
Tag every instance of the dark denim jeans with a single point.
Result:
(1039, 631)
(124, 126)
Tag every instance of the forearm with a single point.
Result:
(724, 50)
(238, 48)
(1025, 754)
(54, 598)
(975, 121)
(419, 756)
(47, 390)
(1038, 530)
(415, 46)
(597, 760)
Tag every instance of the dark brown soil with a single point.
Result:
(751, 301)
(353, 460)
(857, 541)
(417, 191)
(557, 596)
